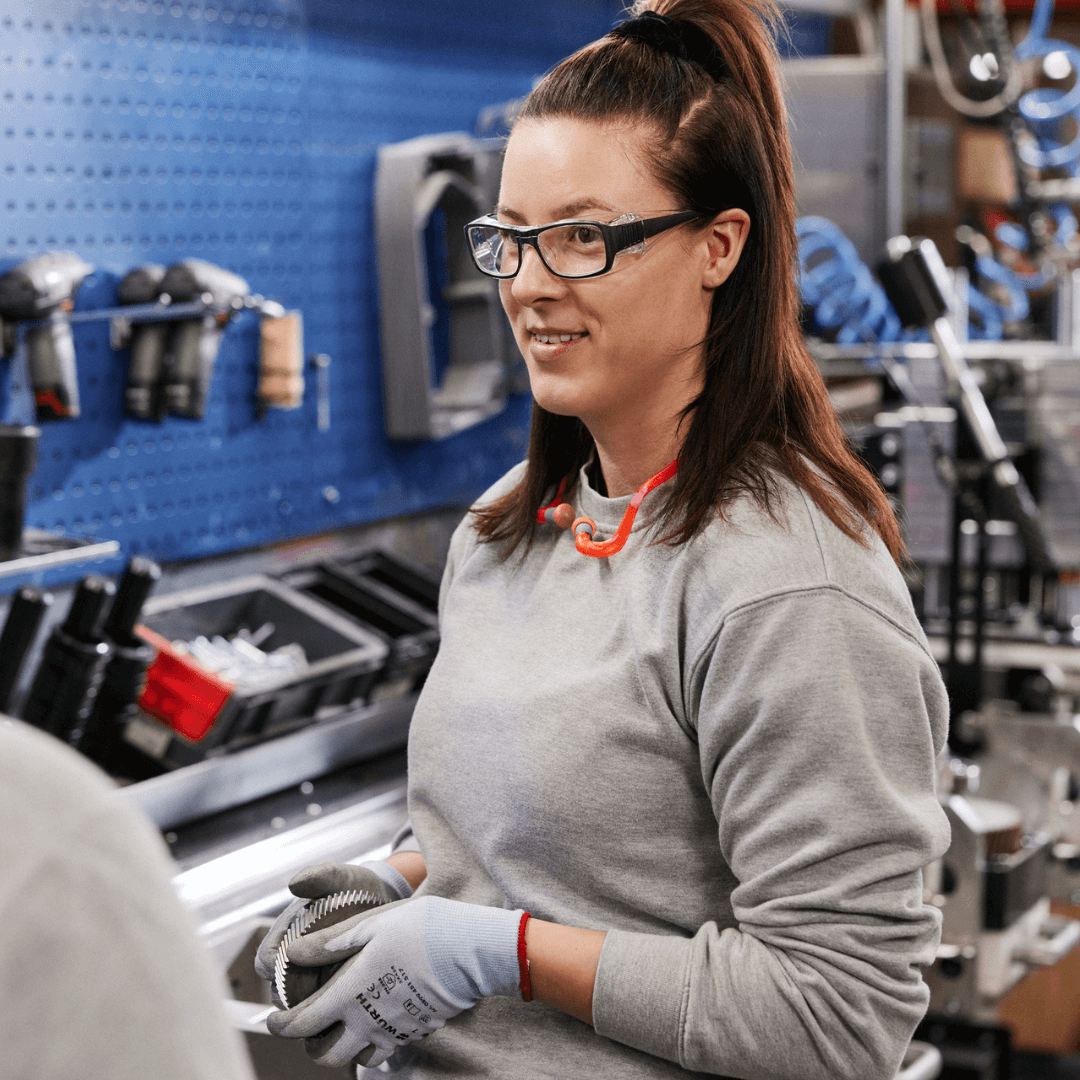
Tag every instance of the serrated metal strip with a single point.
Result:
(306, 919)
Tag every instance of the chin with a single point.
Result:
(560, 400)
(556, 406)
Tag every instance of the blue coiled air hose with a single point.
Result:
(839, 288)
(1045, 110)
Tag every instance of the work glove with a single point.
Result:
(414, 965)
(378, 878)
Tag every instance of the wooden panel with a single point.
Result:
(1043, 1010)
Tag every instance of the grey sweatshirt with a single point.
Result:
(722, 754)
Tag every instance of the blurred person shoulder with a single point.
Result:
(102, 974)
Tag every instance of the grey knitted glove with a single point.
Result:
(414, 965)
(377, 878)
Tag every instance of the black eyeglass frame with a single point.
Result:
(617, 238)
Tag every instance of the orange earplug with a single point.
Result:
(561, 515)
(584, 525)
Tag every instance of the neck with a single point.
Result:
(630, 457)
(641, 434)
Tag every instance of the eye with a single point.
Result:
(585, 235)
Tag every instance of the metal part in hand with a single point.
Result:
(294, 983)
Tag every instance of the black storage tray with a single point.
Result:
(401, 576)
(391, 598)
(343, 657)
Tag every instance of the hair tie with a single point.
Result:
(685, 40)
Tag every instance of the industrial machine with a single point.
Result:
(993, 890)
(963, 435)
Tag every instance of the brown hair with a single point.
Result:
(764, 409)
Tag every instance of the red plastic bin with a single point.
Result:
(179, 691)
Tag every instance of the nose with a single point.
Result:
(534, 282)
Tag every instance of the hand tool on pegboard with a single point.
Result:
(194, 343)
(281, 358)
(143, 397)
(322, 389)
(42, 290)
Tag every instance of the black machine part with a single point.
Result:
(100, 735)
(917, 284)
(18, 456)
(28, 607)
(916, 280)
(72, 665)
(85, 620)
(140, 577)
(1015, 882)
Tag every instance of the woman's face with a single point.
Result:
(634, 332)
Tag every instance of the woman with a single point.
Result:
(704, 762)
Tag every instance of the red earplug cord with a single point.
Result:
(562, 514)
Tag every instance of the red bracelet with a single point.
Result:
(523, 960)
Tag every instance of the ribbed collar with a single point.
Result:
(608, 513)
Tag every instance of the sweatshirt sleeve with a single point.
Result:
(405, 840)
(818, 720)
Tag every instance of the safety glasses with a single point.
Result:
(569, 249)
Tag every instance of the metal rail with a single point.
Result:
(221, 783)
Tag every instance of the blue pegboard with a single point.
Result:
(246, 134)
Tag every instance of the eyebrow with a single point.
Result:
(569, 210)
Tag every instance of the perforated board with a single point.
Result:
(246, 134)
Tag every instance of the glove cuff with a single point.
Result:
(393, 878)
(474, 950)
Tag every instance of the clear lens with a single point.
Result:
(494, 249)
(574, 250)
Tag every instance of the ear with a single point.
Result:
(726, 237)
